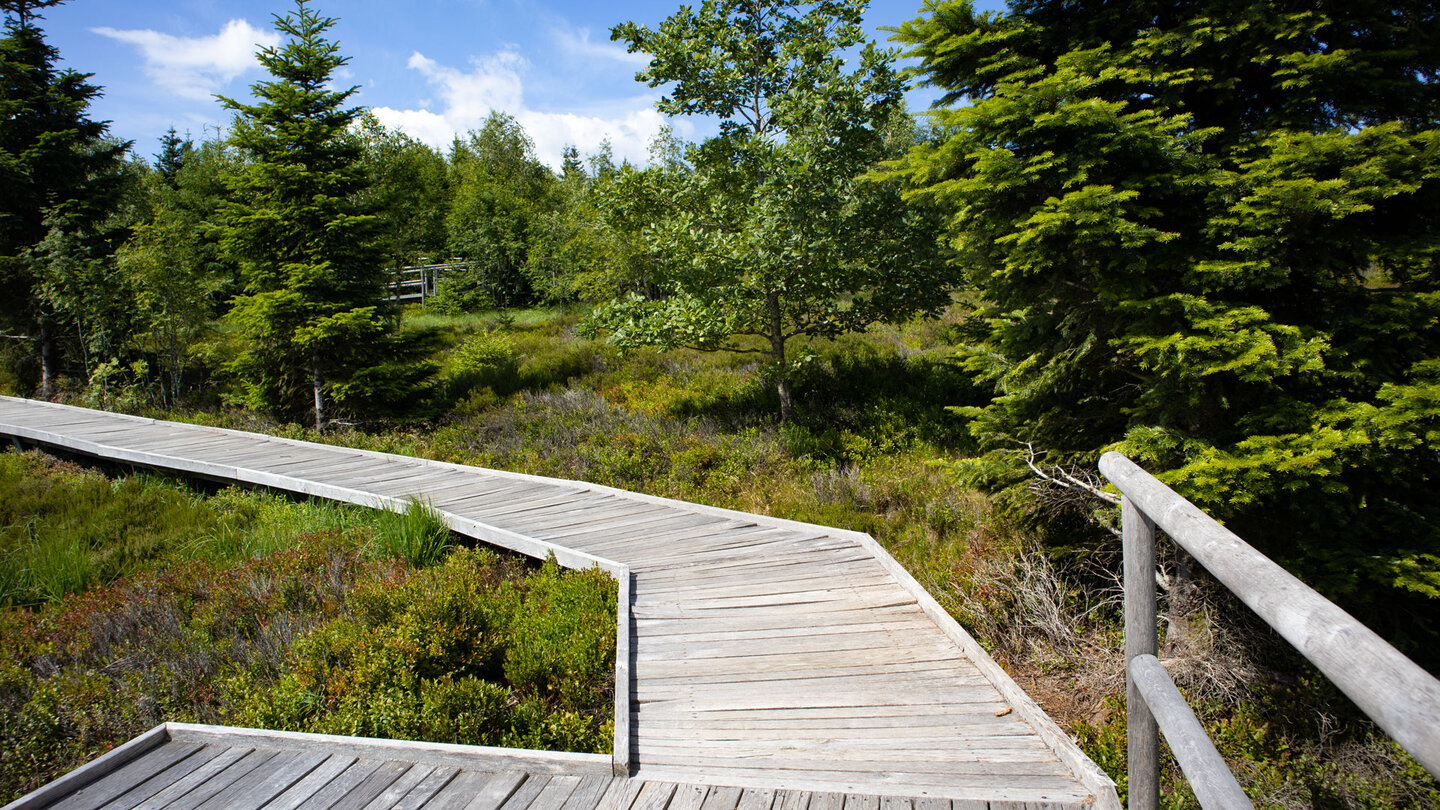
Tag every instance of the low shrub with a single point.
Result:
(462, 652)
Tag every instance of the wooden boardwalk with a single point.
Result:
(761, 662)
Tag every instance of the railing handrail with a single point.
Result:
(1395, 692)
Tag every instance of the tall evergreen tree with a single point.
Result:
(1206, 232)
(174, 151)
(313, 325)
(61, 177)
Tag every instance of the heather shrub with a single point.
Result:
(462, 652)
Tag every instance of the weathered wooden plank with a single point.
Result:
(124, 777)
(312, 783)
(556, 793)
(723, 798)
(807, 754)
(341, 785)
(621, 794)
(858, 801)
(654, 796)
(827, 801)
(792, 800)
(263, 784)
(219, 782)
(624, 673)
(499, 791)
(896, 803)
(689, 797)
(948, 733)
(589, 792)
(373, 785)
(406, 750)
(418, 795)
(527, 793)
(164, 779)
(201, 775)
(468, 786)
(624, 797)
(756, 799)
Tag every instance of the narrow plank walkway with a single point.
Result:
(759, 655)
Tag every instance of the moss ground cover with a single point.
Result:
(240, 607)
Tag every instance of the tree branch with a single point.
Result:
(1062, 478)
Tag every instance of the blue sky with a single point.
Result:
(432, 68)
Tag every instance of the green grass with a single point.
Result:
(418, 535)
(469, 322)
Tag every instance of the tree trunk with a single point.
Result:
(47, 362)
(777, 351)
(787, 398)
(319, 384)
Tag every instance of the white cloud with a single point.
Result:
(197, 67)
(496, 83)
(576, 42)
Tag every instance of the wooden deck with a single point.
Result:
(764, 664)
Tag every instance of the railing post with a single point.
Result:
(1142, 735)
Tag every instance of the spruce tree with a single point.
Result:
(61, 178)
(1206, 233)
(312, 320)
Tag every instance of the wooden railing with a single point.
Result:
(418, 284)
(1394, 691)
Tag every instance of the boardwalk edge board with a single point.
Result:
(67, 429)
(412, 751)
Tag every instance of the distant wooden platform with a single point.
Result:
(764, 664)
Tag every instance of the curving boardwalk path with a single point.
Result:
(764, 664)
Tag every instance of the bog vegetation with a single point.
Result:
(1202, 233)
(134, 600)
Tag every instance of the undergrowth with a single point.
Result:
(239, 607)
(873, 450)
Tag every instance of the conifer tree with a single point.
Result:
(174, 151)
(312, 318)
(1206, 233)
(61, 178)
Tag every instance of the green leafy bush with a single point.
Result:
(461, 652)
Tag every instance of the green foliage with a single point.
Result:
(774, 234)
(205, 623)
(494, 222)
(418, 536)
(408, 190)
(312, 322)
(63, 179)
(173, 261)
(485, 360)
(456, 653)
(1200, 241)
(82, 676)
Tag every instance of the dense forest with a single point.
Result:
(1203, 233)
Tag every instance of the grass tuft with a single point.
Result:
(417, 535)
